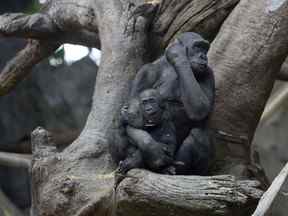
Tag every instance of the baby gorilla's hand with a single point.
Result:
(122, 167)
(159, 157)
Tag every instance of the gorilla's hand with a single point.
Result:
(175, 53)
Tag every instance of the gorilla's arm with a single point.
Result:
(208, 86)
(156, 154)
(196, 97)
(158, 75)
(145, 79)
(133, 160)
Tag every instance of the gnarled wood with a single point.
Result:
(144, 193)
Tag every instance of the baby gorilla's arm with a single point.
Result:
(155, 155)
(133, 160)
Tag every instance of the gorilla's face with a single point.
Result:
(133, 114)
(197, 55)
(152, 111)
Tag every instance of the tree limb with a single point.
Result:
(269, 196)
(275, 103)
(15, 160)
(145, 193)
(38, 25)
(18, 68)
(41, 26)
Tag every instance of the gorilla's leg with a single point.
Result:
(156, 155)
(193, 156)
(134, 159)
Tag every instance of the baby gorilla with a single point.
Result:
(150, 132)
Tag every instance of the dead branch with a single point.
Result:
(42, 26)
(269, 196)
(18, 68)
(145, 193)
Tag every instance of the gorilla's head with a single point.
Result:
(151, 106)
(196, 50)
(146, 110)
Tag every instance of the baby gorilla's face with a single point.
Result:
(150, 105)
(133, 114)
(144, 111)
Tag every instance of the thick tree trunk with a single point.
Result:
(246, 56)
(80, 180)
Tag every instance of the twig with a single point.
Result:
(269, 196)
(274, 104)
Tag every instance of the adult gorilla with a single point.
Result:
(185, 84)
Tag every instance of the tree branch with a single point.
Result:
(18, 68)
(274, 104)
(269, 196)
(40, 26)
(146, 193)
(15, 160)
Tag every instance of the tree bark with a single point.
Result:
(246, 57)
(161, 195)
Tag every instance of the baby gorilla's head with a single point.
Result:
(145, 110)
(150, 103)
